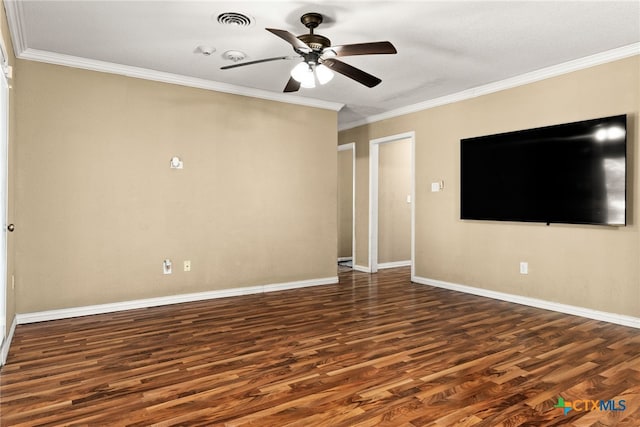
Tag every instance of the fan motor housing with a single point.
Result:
(315, 41)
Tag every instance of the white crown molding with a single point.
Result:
(159, 76)
(4, 349)
(42, 316)
(4, 60)
(15, 18)
(523, 79)
(619, 319)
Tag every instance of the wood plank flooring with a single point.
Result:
(374, 350)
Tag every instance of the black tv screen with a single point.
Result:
(572, 173)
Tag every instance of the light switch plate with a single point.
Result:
(435, 187)
(166, 266)
(524, 268)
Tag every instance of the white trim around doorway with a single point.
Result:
(374, 155)
(344, 147)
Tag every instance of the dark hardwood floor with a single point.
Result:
(374, 350)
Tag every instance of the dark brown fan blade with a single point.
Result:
(242, 64)
(352, 72)
(374, 48)
(292, 85)
(288, 37)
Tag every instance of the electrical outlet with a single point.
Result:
(187, 265)
(524, 268)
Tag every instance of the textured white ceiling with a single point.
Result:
(443, 47)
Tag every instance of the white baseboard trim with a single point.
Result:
(344, 258)
(619, 319)
(4, 349)
(65, 313)
(300, 284)
(394, 264)
(361, 268)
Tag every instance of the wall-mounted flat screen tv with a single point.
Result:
(572, 173)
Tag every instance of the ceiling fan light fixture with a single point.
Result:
(303, 73)
(329, 53)
(324, 74)
(316, 50)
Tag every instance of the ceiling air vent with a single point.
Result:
(234, 55)
(235, 18)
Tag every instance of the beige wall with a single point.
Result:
(345, 203)
(394, 213)
(98, 208)
(588, 266)
(10, 295)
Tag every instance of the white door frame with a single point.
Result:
(352, 147)
(4, 176)
(374, 155)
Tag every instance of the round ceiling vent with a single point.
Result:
(235, 18)
(234, 55)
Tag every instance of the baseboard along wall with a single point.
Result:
(4, 349)
(43, 316)
(361, 268)
(24, 318)
(619, 319)
(394, 264)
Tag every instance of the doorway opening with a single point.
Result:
(391, 201)
(346, 205)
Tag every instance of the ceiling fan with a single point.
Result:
(319, 57)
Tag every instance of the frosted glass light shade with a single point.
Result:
(324, 74)
(304, 74)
